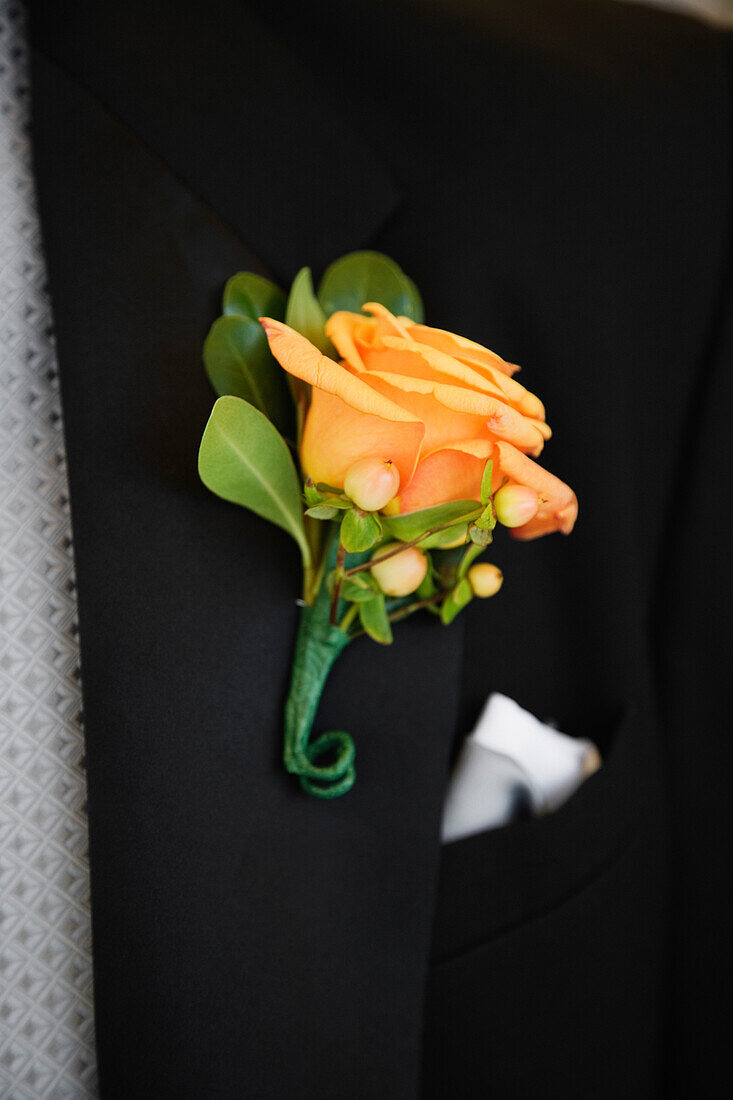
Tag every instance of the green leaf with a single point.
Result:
(455, 601)
(360, 531)
(239, 363)
(413, 524)
(486, 483)
(428, 587)
(322, 511)
(480, 536)
(311, 494)
(373, 617)
(417, 313)
(304, 312)
(487, 519)
(470, 555)
(358, 591)
(360, 277)
(444, 538)
(253, 296)
(244, 459)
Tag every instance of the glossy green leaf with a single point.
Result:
(413, 524)
(417, 313)
(360, 531)
(366, 276)
(304, 312)
(239, 363)
(244, 459)
(455, 601)
(373, 618)
(253, 296)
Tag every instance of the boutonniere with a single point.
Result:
(388, 449)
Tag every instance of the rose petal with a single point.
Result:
(460, 347)
(405, 356)
(340, 328)
(300, 358)
(443, 476)
(337, 435)
(503, 422)
(442, 425)
(347, 419)
(485, 361)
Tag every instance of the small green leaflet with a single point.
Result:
(360, 531)
(239, 363)
(359, 588)
(486, 483)
(244, 459)
(373, 618)
(471, 553)
(366, 276)
(480, 536)
(304, 313)
(322, 511)
(455, 601)
(253, 296)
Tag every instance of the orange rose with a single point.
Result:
(435, 404)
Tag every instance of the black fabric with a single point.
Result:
(556, 178)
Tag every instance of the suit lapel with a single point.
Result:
(234, 116)
(244, 934)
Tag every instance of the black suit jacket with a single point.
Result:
(555, 176)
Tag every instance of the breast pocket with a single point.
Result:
(549, 963)
(495, 880)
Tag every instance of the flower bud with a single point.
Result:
(402, 573)
(515, 505)
(371, 483)
(485, 579)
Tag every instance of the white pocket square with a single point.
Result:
(510, 766)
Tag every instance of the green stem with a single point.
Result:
(337, 582)
(313, 576)
(411, 608)
(311, 582)
(349, 618)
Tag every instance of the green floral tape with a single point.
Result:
(324, 765)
